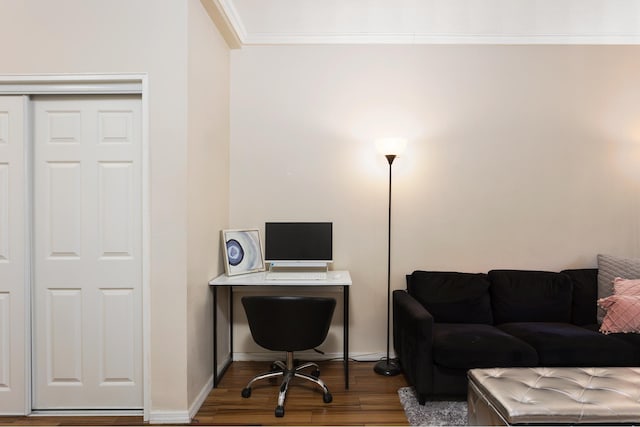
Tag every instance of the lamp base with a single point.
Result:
(387, 367)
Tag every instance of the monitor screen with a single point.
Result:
(298, 241)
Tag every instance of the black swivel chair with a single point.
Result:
(285, 323)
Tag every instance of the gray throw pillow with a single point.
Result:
(610, 267)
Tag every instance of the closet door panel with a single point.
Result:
(87, 253)
(13, 304)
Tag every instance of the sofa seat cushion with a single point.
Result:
(478, 346)
(564, 344)
(452, 297)
(633, 340)
(530, 296)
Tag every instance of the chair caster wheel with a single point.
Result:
(279, 411)
(315, 373)
(327, 398)
(246, 392)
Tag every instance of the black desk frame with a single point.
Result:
(218, 376)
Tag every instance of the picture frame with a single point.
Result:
(242, 251)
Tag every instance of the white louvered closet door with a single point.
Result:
(13, 305)
(87, 319)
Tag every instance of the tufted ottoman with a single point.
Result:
(508, 396)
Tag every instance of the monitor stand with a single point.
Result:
(282, 270)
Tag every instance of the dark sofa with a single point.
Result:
(447, 322)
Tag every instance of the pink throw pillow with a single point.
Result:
(623, 314)
(626, 287)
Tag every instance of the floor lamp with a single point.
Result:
(391, 148)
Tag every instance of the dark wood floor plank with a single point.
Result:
(371, 400)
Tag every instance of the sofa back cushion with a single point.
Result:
(585, 294)
(530, 296)
(452, 297)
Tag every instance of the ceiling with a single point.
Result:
(267, 22)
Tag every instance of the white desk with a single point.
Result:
(334, 278)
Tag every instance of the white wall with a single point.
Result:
(208, 189)
(149, 36)
(518, 157)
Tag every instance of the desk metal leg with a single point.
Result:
(217, 377)
(345, 329)
(215, 336)
(230, 325)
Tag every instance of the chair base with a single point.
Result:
(289, 371)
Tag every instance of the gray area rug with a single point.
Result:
(433, 413)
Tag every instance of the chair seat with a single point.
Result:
(288, 323)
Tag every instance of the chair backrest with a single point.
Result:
(289, 323)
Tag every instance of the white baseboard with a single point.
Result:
(85, 413)
(183, 417)
(202, 396)
(169, 417)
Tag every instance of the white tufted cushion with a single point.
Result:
(558, 395)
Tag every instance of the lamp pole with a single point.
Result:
(387, 366)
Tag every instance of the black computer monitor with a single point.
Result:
(301, 242)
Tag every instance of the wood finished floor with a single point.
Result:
(371, 400)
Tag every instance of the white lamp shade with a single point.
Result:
(393, 146)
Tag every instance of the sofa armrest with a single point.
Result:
(413, 341)
(410, 316)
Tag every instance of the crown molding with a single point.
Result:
(226, 19)
(305, 22)
(438, 38)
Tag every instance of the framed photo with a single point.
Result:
(242, 251)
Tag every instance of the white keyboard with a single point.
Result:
(296, 275)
